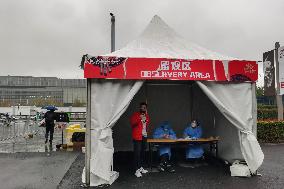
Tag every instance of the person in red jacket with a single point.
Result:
(139, 122)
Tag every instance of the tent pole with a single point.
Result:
(88, 135)
(254, 109)
(112, 32)
(191, 102)
(146, 92)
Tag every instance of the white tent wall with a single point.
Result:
(215, 124)
(109, 100)
(235, 102)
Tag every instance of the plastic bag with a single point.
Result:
(240, 169)
(42, 123)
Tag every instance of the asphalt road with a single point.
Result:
(214, 175)
(34, 170)
(63, 170)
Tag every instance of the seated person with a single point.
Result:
(194, 152)
(164, 131)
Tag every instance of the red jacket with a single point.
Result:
(137, 126)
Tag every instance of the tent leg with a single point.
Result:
(151, 156)
(88, 135)
(191, 102)
(254, 109)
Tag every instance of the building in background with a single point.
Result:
(39, 91)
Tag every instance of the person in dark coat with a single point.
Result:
(50, 117)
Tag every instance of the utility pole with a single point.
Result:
(278, 96)
(88, 136)
(112, 32)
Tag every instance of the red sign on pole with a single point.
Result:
(169, 69)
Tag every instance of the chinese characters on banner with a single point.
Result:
(281, 69)
(269, 73)
(169, 69)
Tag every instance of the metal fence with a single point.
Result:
(24, 135)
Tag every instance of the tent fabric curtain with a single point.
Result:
(234, 101)
(109, 100)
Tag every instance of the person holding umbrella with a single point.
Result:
(50, 117)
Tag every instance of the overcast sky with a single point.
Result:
(48, 37)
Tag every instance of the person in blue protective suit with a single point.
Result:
(164, 131)
(194, 152)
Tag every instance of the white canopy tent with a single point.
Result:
(234, 104)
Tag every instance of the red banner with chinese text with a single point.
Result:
(169, 69)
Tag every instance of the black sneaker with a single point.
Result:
(161, 167)
(45, 141)
(170, 168)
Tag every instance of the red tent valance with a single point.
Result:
(169, 69)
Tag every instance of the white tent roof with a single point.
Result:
(160, 41)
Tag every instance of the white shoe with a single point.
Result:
(138, 173)
(142, 170)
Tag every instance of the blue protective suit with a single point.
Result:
(193, 150)
(159, 132)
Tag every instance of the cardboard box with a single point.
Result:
(78, 145)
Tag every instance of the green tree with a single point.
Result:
(44, 102)
(6, 103)
(78, 103)
(259, 91)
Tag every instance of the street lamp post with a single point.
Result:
(112, 32)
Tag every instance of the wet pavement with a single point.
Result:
(214, 175)
(44, 167)
(35, 144)
(26, 136)
(26, 161)
(34, 170)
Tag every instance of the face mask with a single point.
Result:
(164, 127)
(193, 124)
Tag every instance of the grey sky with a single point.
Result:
(48, 37)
